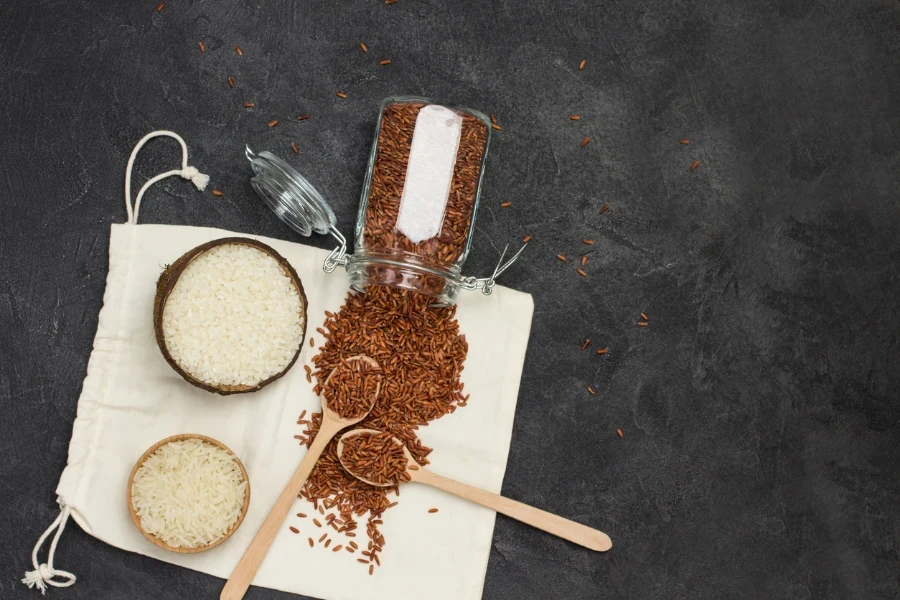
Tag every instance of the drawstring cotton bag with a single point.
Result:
(132, 398)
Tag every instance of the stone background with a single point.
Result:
(760, 412)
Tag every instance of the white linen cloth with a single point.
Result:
(131, 398)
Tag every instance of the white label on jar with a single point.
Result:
(429, 172)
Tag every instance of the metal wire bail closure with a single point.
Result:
(486, 284)
(296, 201)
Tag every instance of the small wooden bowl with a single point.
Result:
(177, 438)
(166, 284)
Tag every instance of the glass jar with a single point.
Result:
(420, 197)
(419, 200)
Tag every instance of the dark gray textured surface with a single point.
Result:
(760, 408)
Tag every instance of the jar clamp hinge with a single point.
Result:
(338, 256)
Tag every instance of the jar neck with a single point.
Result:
(404, 270)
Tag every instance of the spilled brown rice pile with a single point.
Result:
(421, 354)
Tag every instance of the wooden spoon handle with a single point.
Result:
(558, 526)
(243, 573)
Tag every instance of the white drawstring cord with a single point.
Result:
(199, 179)
(43, 573)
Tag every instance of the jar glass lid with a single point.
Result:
(290, 196)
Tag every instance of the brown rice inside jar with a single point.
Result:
(420, 197)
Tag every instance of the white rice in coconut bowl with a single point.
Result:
(234, 317)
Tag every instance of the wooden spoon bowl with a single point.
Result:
(412, 467)
(333, 417)
(137, 520)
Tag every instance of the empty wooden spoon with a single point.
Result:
(558, 526)
(332, 423)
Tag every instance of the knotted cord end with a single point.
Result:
(44, 574)
(38, 578)
(197, 178)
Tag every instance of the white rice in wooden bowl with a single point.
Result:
(188, 493)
